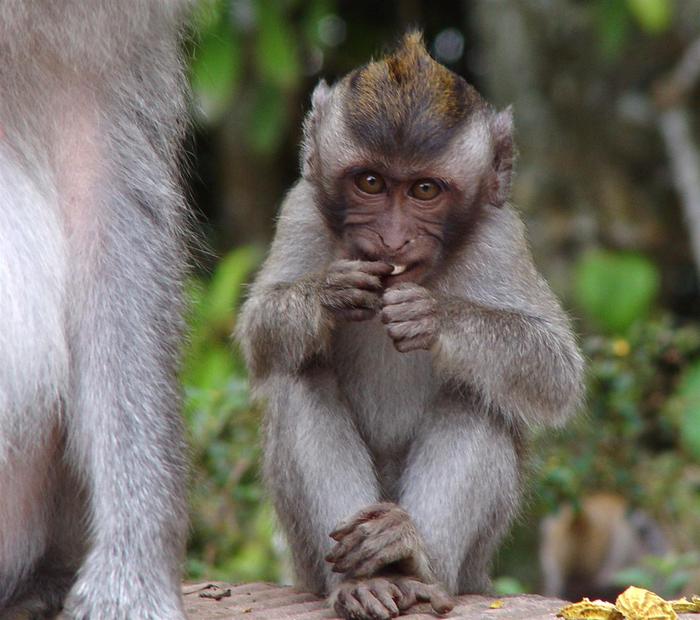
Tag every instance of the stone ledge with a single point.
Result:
(265, 601)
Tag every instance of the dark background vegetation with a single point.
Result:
(604, 120)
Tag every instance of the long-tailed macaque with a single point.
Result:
(92, 468)
(402, 340)
(581, 551)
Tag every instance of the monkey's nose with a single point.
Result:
(395, 245)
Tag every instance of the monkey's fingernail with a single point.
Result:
(398, 269)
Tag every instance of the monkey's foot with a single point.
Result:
(379, 535)
(381, 598)
(121, 601)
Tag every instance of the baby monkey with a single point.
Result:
(402, 341)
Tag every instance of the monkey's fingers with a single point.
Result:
(387, 593)
(407, 330)
(368, 564)
(373, 606)
(414, 310)
(440, 600)
(346, 606)
(381, 530)
(348, 299)
(405, 292)
(414, 344)
(346, 544)
(354, 279)
(366, 600)
(416, 591)
(366, 556)
(366, 514)
(377, 268)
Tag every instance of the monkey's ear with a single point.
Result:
(309, 152)
(321, 95)
(503, 156)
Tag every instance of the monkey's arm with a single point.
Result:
(507, 335)
(282, 322)
(300, 292)
(495, 327)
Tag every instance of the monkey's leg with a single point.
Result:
(461, 489)
(317, 468)
(54, 574)
(33, 371)
(124, 429)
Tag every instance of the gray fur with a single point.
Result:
(92, 231)
(351, 421)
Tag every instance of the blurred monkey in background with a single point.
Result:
(92, 467)
(402, 340)
(582, 551)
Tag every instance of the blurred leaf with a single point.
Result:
(635, 576)
(687, 402)
(226, 285)
(615, 289)
(211, 370)
(269, 117)
(210, 362)
(504, 586)
(216, 63)
(613, 21)
(278, 47)
(654, 16)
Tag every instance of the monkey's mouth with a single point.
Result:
(405, 272)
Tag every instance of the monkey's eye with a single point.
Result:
(425, 189)
(370, 182)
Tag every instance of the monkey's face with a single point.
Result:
(396, 219)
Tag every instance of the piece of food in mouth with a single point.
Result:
(398, 269)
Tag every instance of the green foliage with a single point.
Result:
(667, 576)
(278, 54)
(209, 364)
(254, 52)
(216, 63)
(627, 425)
(615, 290)
(628, 441)
(232, 525)
(654, 16)
(505, 586)
(615, 21)
(684, 407)
(268, 119)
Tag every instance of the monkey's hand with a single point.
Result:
(410, 313)
(381, 598)
(376, 537)
(351, 289)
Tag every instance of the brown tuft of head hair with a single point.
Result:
(407, 102)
